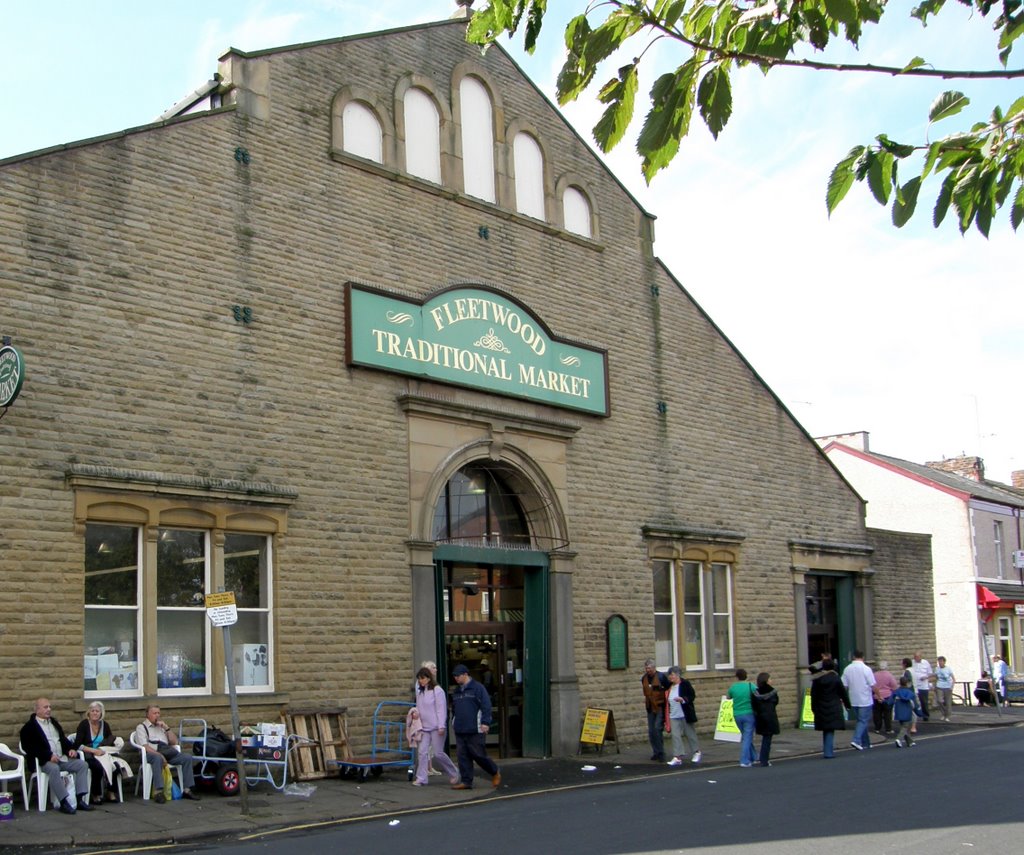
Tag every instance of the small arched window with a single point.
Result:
(529, 165)
(361, 132)
(422, 136)
(477, 139)
(576, 212)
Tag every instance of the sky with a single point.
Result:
(913, 335)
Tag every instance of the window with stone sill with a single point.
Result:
(115, 661)
(693, 625)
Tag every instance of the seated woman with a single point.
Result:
(95, 741)
(984, 690)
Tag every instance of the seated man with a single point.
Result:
(161, 744)
(43, 738)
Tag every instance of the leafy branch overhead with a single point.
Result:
(981, 168)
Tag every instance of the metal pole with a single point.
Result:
(236, 728)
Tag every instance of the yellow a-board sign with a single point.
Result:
(595, 725)
(806, 715)
(726, 729)
(598, 728)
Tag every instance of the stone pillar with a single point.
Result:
(565, 688)
(803, 678)
(864, 605)
(424, 603)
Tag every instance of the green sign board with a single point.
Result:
(12, 373)
(477, 337)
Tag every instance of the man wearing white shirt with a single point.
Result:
(922, 671)
(860, 683)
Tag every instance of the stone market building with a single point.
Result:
(364, 332)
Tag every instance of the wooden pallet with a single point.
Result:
(327, 732)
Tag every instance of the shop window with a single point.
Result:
(361, 132)
(699, 635)
(529, 169)
(576, 212)
(182, 639)
(113, 572)
(247, 574)
(1006, 642)
(116, 661)
(422, 136)
(477, 121)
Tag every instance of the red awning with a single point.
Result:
(986, 599)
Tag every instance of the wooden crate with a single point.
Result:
(328, 731)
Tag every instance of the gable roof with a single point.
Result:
(989, 491)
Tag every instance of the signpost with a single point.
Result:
(223, 612)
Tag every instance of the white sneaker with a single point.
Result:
(675, 761)
(696, 757)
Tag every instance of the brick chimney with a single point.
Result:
(968, 467)
(1017, 479)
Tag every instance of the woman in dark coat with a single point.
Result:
(829, 703)
(766, 719)
(92, 737)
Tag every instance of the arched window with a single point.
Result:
(477, 139)
(362, 132)
(576, 212)
(422, 136)
(478, 507)
(529, 165)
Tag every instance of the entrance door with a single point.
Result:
(494, 659)
(830, 617)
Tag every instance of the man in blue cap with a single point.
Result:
(471, 719)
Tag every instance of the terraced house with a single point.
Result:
(364, 332)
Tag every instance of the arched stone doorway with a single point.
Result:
(492, 592)
(507, 537)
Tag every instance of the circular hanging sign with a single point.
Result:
(12, 372)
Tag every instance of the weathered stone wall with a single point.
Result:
(904, 597)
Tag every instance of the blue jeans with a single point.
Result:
(860, 734)
(745, 723)
(828, 741)
(656, 734)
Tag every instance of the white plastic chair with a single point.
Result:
(17, 773)
(145, 777)
(42, 780)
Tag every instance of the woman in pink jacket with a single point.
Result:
(432, 712)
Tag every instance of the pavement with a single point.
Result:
(137, 824)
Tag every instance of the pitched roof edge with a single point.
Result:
(758, 377)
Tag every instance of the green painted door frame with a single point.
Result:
(536, 700)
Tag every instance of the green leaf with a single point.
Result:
(942, 202)
(534, 20)
(620, 95)
(933, 152)
(714, 95)
(880, 176)
(1011, 32)
(1017, 210)
(844, 11)
(668, 121)
(946, 105)
(841, 179)
(1016, 107)
(893, 147)
(916, 62)
(926, 8)
(905, 203)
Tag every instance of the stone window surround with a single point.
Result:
(451, 187)
(706, 546)
(150, 501)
